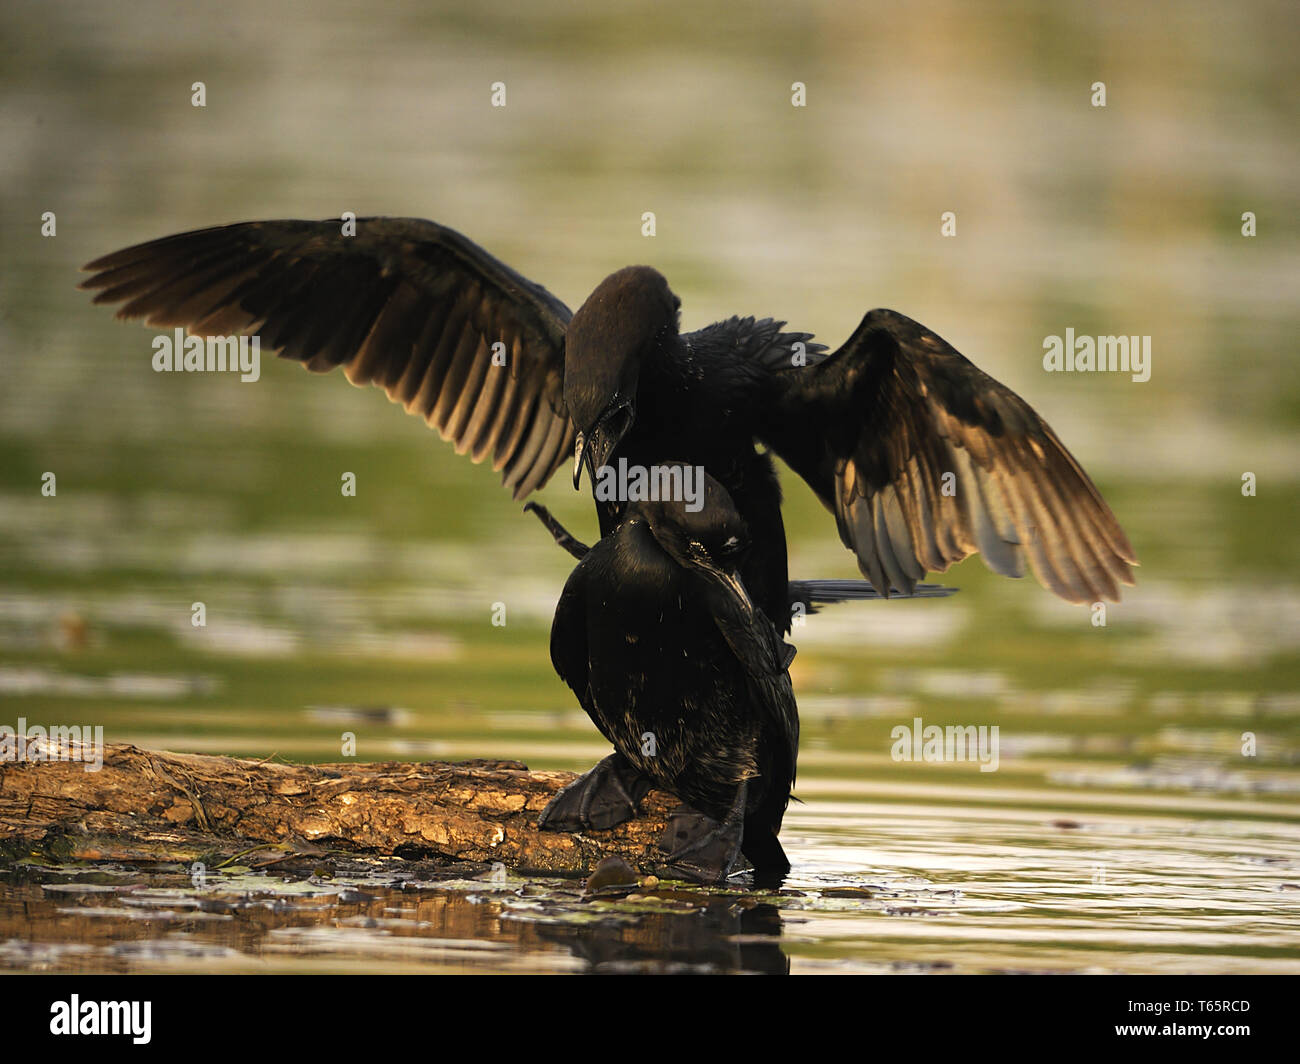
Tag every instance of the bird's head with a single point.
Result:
(705, 535)
(623, 322)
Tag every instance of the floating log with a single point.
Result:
(155, 805)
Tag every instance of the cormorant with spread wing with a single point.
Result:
(922, 458)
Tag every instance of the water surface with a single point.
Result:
(1144, 813)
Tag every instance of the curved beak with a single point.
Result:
(580, 448)
(758, 647)
(594, 448)
(727, 581)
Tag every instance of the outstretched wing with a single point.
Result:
(405, 304)
(924, 460)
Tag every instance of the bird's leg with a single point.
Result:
(561, 534)
(698, 847)
(607, 795)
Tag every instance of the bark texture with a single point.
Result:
(155, 805)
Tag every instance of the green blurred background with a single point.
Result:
(372, 614)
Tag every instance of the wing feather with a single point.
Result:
(405, 304)
(925, 460)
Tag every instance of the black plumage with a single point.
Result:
(657, 636)
(922, 458)
(407, 305)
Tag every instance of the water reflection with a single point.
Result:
(876, 888)
(371, 917)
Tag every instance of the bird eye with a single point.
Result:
(733, 545)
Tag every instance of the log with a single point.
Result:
(155, 805)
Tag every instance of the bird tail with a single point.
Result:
(814, 594)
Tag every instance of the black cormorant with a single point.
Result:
(922, 458)
(657, 636)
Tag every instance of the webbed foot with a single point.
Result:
(597, 800)
(700, 848)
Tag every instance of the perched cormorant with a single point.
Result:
(633, 583)
(922, 458)
(657, 636)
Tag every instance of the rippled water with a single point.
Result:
(1127, 827)
(878, 887)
